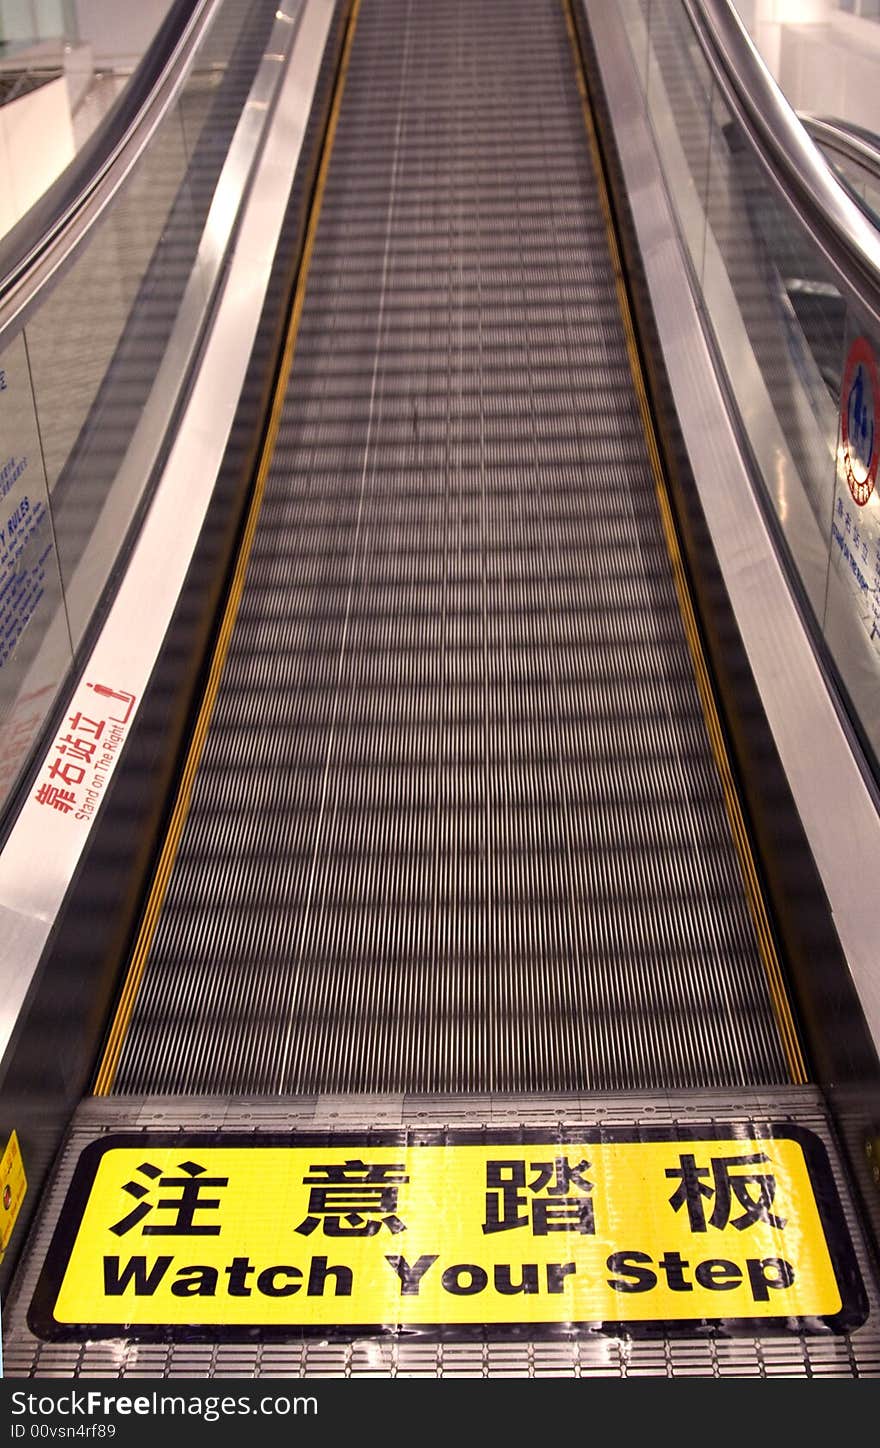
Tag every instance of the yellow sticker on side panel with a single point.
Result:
(289, 1235)
(13, 1185)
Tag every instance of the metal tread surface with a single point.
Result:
(457, 824)
(793, 1355)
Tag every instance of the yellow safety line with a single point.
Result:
(107, 1070)
(754, 894)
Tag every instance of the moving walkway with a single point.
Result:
(486, 1004)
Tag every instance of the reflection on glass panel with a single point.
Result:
(52, 96)
(24, 21)
(802, 369)
(824, 54)
(791, 310)
(90, 388)
(77, 331)
(631, 13)
(784, 330)
(854, 554)
(679, 95)
(94, 347)
(866, 9)
(863, 186)
(35, 651)
(97, 345)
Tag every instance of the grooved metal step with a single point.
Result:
(457, 825)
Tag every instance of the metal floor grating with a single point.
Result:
(798, 1355)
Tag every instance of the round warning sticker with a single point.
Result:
(859, 405)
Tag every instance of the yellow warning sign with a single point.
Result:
(290, 1235)
(13, 1185)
